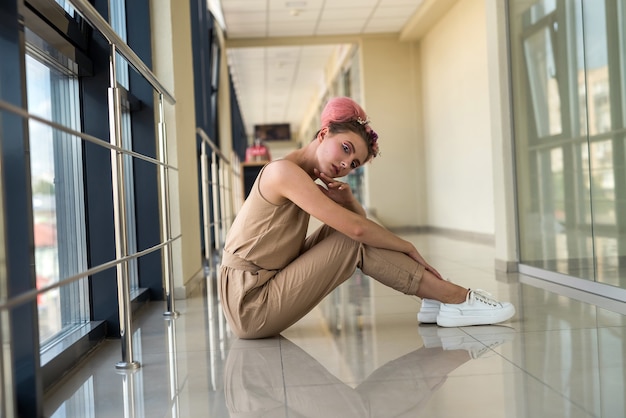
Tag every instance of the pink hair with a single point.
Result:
(342, 109)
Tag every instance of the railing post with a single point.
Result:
(216, 203)
(228, 198)
(223, 191)
(170, 311)
(119, 213)
(237, 185)
(206, 214)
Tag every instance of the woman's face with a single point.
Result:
(341, 152)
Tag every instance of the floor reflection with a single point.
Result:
(289, 382)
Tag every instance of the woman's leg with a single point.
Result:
(432, 287)
(396, 270)
(329, 259)
(459, 307)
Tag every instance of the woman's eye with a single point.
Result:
(354, 165)
(346, 148)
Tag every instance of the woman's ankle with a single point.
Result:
(459, 296)
(454, 297)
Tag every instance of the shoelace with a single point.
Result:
(481, 296)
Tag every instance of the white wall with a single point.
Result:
(457, 125)
(391, 100)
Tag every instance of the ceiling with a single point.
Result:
(279, 50)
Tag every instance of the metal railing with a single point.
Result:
(221, 195)
(118, 152)
(117, 45)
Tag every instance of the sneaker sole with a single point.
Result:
(427, 318)
(466, 321)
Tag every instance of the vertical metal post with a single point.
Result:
(206, 213)
(170, 311)
(237, 184)
(228, 197)
(223, 191)
(215, 194)
(119, 213)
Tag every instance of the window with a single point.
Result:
(57, 189)
(567, 71)
(66, 6)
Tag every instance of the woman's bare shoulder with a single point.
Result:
(282, 164)
(277, 170)
(278, 176)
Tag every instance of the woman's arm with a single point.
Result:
(340, 193)
(285, 180)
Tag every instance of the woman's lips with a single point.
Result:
(335, 169)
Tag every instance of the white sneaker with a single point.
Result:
(479, 308)
(429, 311)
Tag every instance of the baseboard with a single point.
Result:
(477, 237)
(194, 286)
(506, 266)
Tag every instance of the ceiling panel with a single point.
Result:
(278, 84)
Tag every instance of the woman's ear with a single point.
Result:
(322, 134)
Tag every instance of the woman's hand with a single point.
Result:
(338, 191)
(415, 255)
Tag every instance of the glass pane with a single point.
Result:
(604, 76)
(596, 67)
(129, 187)
(621, 52)
(617, 52)
(66, 6)
(58, 203)
(544, 88)
(118, 23)
(553, 175)
(602, 186)
(568, 67)
(541, 9)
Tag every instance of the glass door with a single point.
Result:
(568, 90)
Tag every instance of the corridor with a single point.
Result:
(362, 353)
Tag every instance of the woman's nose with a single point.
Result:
(344, 164)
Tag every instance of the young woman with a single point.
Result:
(272, 274)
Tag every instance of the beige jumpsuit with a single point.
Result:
(272, 274)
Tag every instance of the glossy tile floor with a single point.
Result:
(361, 353)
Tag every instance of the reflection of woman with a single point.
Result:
(272, 274)
(262, 381)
